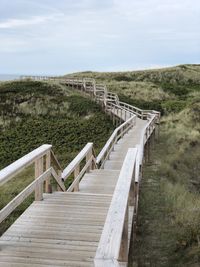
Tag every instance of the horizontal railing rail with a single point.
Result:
(119, 111)
(114, 242)
(9, 172)
(136, 111)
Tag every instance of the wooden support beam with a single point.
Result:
(158, 132)
(76, 173)
(149, 150)
(136, 196)
(39, 168)
(48, 188)
(123, 253)
(88, 157)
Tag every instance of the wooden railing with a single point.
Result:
(7, 173)
(41, 158)
(101, 93)
(39, 78)
(145, 135)
(87, 154)
(118, 133)
(114, 242)
(45, 164)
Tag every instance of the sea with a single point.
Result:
(9, 77)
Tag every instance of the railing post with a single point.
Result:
(39, 166)
(48, 188)
(132, 189)
(59, 175)
(147, 154)
(112, 144)
(123, 253)
(153, 139)
(88, 157)
(94, 86)
(114, 115)
(149, 148)
(76, 173)
(122, 129)
(158, 131)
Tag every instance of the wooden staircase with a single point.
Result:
(90, 223)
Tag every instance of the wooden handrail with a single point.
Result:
(131, 106)
(114, 138)
(143, 139)
(113, 245)
(77, 160)
(8, 172)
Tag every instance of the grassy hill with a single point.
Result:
(167, 90)
(169, 213)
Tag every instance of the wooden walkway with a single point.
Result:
(70, 228)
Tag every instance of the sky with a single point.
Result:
(54, 37)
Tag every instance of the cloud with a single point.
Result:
(73, 35)
(16, 23)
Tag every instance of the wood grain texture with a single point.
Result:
(111, 238)
(7, 173)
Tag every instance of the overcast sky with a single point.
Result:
(62, 36)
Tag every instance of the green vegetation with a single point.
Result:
(153, 88)
(168, 231)
(35, 113)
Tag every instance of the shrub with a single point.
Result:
(173, 106)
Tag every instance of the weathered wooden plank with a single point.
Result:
(49, 242)
(12, 261)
